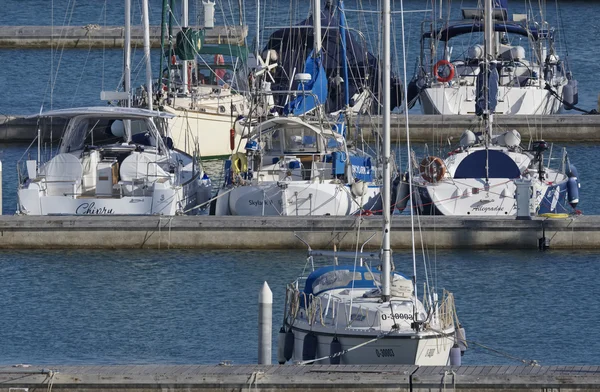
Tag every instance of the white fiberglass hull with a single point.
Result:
(294, 198)
(422, 349)
(531, 100)
(34, 200)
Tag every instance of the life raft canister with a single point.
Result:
(432, 169)
(443, 64)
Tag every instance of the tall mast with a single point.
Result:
(488, 55)
(410, 171)
(163, 30)
(386, 251)
(317, 26)
(127, 53)
(184, 65)
(147, 53)
(344, 53)
(257, 29)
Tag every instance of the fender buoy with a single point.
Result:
(281, 346)
(232, 139)
(288, 346)
(432, 169)
(239, 162)
(335, 347)
(309, 347)
(436, 69)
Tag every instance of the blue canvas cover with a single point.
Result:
(492, 98)
(293, 45)
(500, 166)
(361, 168)
(316, 88)
(339, 277)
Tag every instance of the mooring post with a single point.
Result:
(265, 325)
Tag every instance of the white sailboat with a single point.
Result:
(300, 163)
(202, 88)
(113, 160)
(481, 175)
(531, 77)
(363, 314)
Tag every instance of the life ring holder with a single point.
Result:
(239, 162)
(432, 169)
(436, 69)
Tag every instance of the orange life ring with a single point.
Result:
(436, 69)
(432, 169)
(232, 139)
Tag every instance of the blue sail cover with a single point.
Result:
(315, 88)
(293, 45)
(492, 98)
(500, 4)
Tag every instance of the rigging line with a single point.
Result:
(338, 354)
(412, 221)
(423, 250)
(63, 31)
(531, 362)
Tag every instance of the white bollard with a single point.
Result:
(265, 325)
(523, 197)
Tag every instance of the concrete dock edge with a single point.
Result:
(255, 233)
(423, 128)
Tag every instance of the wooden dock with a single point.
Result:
(96, 36)
(256, 233)
(331, 378)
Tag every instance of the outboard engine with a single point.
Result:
(538, 147)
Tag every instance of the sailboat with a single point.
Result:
(480, 176)
(202, 86)
(361, 313)
(112, 160)
(361, 81)
(299, 163)
(531, 77)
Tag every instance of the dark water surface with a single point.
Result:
(117, 307)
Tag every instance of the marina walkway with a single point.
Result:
(254, 233)
(332, 378)
(96, 36)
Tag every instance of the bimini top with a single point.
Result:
(342, 277)
(105, 111)
(448, 32)
(293, 122)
